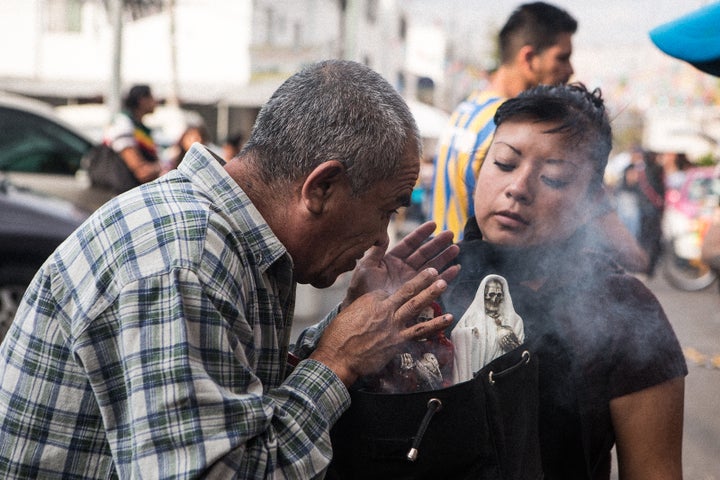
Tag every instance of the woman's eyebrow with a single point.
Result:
(561, 161)
(516, 150)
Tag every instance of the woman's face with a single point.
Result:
(532, 188)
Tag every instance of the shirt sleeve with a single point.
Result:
(645, 350)
(308, 339)
(121, 133)
(176, 379)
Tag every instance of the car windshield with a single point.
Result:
(31, 143)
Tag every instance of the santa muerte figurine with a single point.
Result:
(488, 329)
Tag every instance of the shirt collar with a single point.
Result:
(205, 172)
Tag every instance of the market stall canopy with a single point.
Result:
(694, 38)
(431, 120)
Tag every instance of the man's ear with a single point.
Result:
(525, 57)
(321, 184)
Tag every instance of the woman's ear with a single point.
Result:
(321, 184)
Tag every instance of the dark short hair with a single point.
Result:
(579, 114)
(537, 24)
(135, 94)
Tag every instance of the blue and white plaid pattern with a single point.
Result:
(152, 344)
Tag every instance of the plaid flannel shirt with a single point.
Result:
(152, 344)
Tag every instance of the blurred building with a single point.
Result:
(222, 58)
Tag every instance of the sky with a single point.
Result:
(617, 22)
(617, 26)
(611, 49)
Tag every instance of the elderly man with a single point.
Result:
(153, 342)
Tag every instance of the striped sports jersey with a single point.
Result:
(462, 150)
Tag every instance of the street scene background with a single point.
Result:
(219, 60)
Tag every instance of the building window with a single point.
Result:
(371, 11)
(269, 26)
(402, 28)
(63, 15)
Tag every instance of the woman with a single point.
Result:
(192, 134)
(611, 369)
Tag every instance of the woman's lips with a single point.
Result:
(511, 219)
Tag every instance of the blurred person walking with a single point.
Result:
(132, 139)
(232, 145)
(651, 185)
(627, 200)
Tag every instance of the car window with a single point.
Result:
(31, 143)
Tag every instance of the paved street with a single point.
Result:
(696, 319)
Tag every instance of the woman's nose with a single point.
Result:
(520, 188)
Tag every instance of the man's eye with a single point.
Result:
(505, 167)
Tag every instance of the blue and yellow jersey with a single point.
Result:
(462, 149)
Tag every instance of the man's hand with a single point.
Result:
(365, 336)
(387, 271)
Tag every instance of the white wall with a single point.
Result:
(18, 36)
(212, 42)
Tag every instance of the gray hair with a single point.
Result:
(333, 110)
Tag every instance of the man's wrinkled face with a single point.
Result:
(354, 223)
(493, 297)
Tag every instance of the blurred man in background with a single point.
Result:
(535, 48)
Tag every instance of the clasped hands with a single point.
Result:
(388, 290)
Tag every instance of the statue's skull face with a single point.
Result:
(427, 314)
(493, 297)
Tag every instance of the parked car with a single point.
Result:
(38, 150)
(44, 194)
(32, 226)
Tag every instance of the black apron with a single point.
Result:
(484, 428)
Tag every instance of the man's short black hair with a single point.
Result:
(536, 24)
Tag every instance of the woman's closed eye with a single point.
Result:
(556, 183)
(504, 166)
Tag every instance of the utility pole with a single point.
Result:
(115, 87)
(350, 15)
(172, 98)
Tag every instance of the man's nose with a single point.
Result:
(383, 238)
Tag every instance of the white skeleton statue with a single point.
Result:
(488, 328)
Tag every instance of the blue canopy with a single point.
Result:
(694, 38)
